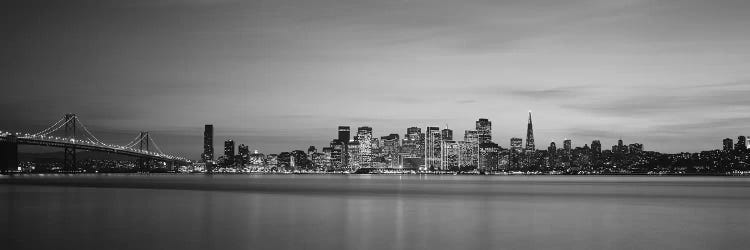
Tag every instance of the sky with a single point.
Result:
(280, 75)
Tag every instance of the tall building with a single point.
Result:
(450, 154)
(364, 137)
(484, 130)
(741, 145)
(344, 134)
(354, 156)
(488, 156)
(530, 136)
(391, 148)
(567, 145)
(516, 144)
(596, 147)
(447, 134)
(229, 148)
(470, 149)
(338, 154)
(208, 143)
(244, 152)
(728, 144)
(412, 148)
(516, 148)
(432, 148)
(552, 155)
(635, 148)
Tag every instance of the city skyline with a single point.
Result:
(279, 75)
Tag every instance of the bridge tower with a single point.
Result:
(144, 164)
(9, 153)
(69, 163)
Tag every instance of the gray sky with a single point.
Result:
(282, 74)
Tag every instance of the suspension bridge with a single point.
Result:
(70, 134)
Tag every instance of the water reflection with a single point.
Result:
(376, 212)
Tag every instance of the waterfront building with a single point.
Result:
(432, 148)
(450, 153)
(488, 156)
(530, 135)
(596, 147)
(447, 134)
(229, 149)
(635, 148)
(344, 134)
(354, 158)
(484, 130)
(365, 141)
(728, 144)
(243, 152)
(516, 149)
(741, 145)
(208, 143)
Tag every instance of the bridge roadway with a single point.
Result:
(90, 146)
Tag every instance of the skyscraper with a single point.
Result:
(530, 136)
(728, 144)
(229, 148)
(344, 134)
(515, 144)
(596, 147)
(741, 145)
(516, 148)
(364, 137)
(208, 143)
(567, 145)
(484, 130)
(447, 134)
(470, 149)
(244, 152)
(432, 148)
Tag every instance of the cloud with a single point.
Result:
(700, 99)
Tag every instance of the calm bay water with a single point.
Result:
(373, 212)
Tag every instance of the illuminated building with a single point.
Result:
(412, 147)
(354, 158)
(728, 144)
(390, 150)
(364, 138)
(344, 134)
(552, 155)
(741, 145)
(596, 147)
(432, 148)
(447, 134)
(208, 143)
(488, 156)
(470, 148)
(484, 130)
(635, 148)
(229, 148)
(338, 154)
(530, 136)
(450, 153)
(244, 153)
(516, 144)
(516, 148)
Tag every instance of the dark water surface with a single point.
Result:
(373, 212)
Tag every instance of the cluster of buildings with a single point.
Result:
(441, 150)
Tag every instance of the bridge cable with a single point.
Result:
(57, 128)
(156, 146)
(87, 131)
(53, 128)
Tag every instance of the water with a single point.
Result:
(373, 212)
